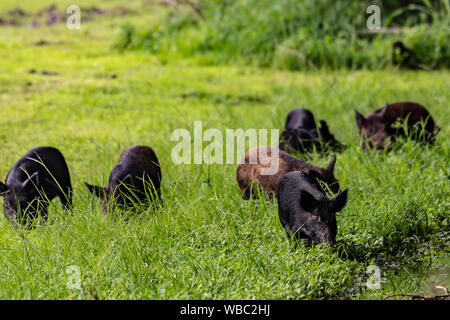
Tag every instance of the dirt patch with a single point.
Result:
(52, 15)
(43, 72)
(17, 12)
(227, 99)
(8, 22)
(43, 43)
(446, 296)
(105, 76)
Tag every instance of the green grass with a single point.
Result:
(205, 242)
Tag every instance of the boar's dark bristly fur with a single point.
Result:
(300, 118)
(304, 210)
(301, 134)
(249, 175)
(32, 182)
(135, 179)
(379, 125)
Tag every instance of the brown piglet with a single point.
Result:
(250, 172)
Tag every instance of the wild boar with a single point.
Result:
(386, 121)
(250, 171)
(301, 118)
(305, 211)
(301, 133)
(33, 182)
(135, 179)
(404, 57)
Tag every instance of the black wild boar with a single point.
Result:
(404, 57)
(385, 122)
(249, 171)
(301, 118)
(301, 133)
(33, 181)
(135, 179)
(304, 210)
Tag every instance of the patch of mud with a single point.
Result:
(440, 296)
(105, 76)
(43, 43)
(226, 99)
(18, 12)
(52, 15)
(43, 72)
(8, 22)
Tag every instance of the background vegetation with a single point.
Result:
(133, 75)
(296, 35)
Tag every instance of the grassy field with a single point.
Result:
(205, 242)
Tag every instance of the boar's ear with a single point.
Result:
(307, 201)
(330, 167)
(96, 190)
(340, 201)
(31, 182)
(360, 120)
(383, 111)
(323, 123)
(3, 188)
(324, 132)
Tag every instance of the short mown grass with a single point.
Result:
(204, 241)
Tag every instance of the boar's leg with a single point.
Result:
(66, 198)
(62, 190)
